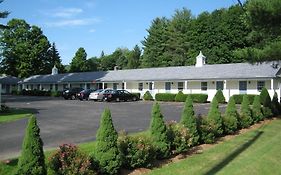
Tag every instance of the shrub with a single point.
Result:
(199, 98)
(275, 106)
(165, 97)
(239, 98)
(215, 119)
(159, 133)
(189, 121)
(32, 160)
(245, 119)
(106, 152)
(179, 137)
(230, 119)
(220, 97)
(265, 98)
(136, 94)
(136, 152)
(147, 96)
(180, 97)
(206, 131)
(4, 108)
(69, 160)
(56, 93)
(257, 110)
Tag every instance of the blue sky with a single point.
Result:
(99, 25)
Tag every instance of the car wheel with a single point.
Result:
(73, 97)
(117, 99)
(134, 98)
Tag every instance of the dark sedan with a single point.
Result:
(84, 95)
(120, 95)
(71, 93)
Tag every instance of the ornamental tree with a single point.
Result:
(230, 119)
(214, 118)
(257, 109)
(159, 133)
(246, 113)
(106, 152)
(32, 159)
(189, 121)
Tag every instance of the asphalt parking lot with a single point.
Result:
(74, 121)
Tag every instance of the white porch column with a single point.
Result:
(40, 87)
(102, 85)
(85, 86)
(125, 85)
(153, 85)
(68, 85)
(271, 84)
(185, 85)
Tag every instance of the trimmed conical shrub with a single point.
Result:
(257, 110)
(215, 119)
(275, 105)
(32, 159)
(189, 121)
(147, 96)
(246, 113)
(266, 102)
(230, 119)
(159, 133)
(106, 151)
(220, 97)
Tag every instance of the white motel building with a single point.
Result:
(237, 78)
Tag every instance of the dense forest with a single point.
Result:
(249, 32)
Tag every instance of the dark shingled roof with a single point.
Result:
(7, 79)
(215, 71)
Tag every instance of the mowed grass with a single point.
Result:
(255, 152)
(15, 114)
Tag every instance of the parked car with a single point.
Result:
(71, 93)
(84, 95)
(98, 95)
(120, 95)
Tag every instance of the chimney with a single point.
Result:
(54, 70)
(200, 60)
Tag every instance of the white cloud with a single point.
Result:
(92, 30)
(66, 12)
(73, 22)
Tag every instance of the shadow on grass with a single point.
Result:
(233, 155)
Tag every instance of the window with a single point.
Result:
(123, 85)
(180, 86)
(219, 85)
(51, 86)
(242, 85)
(167, 86)
(56, 87)
(140, 86)
(204, 86)
(105, 85)
(150, 85)
(115, 86)
(38, 86)
(27, 87)
(260, 85)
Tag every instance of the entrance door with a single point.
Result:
(242, 87)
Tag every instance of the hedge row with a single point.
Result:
(37, 93)
(197, 98)
(239, 98)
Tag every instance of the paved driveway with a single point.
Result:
(67, 121)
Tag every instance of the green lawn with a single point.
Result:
(255, 152)
(15, 114)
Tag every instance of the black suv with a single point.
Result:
(71, 93)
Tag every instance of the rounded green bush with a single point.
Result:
(180, 97)
(165, 97)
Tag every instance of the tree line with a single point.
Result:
(248, 32)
